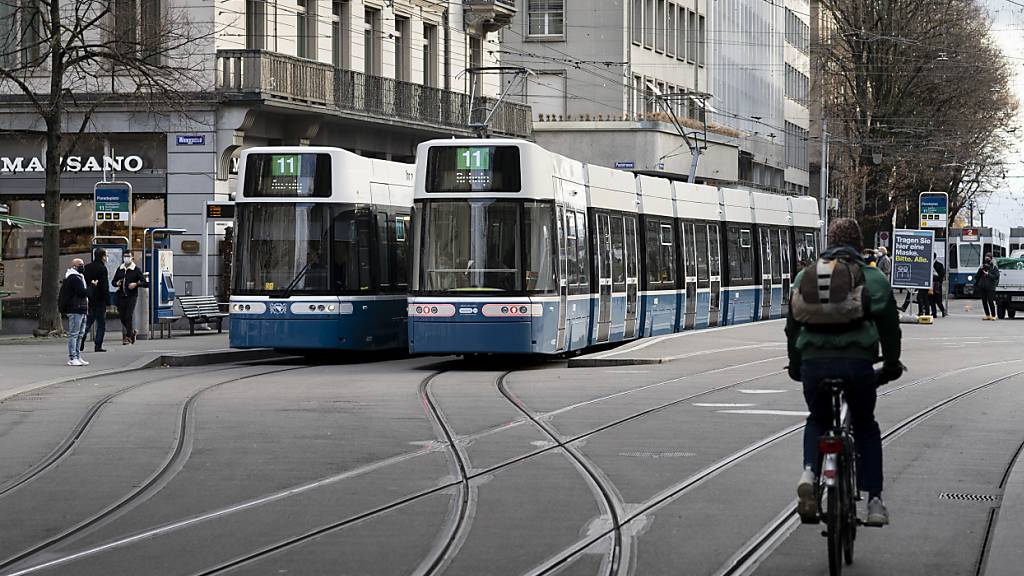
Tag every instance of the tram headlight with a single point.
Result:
(522, 309)
(970, 278)
(419, 309)
(504, 309)
(330, 308)
(433, 310)
(320, 308)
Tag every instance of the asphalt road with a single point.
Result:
(439, 466)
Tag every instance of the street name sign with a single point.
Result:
(913, 254)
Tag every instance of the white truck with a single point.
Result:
(1010, 291)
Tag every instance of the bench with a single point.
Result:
(203, 310)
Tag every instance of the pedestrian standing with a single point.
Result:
(73, 300)
(938, 277)
(985, 282)
(884, 262)
(99, 293)
(128, 279)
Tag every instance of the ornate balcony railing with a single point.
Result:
(272, 76)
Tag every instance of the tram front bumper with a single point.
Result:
(453, 337)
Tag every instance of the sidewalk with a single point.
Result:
(28, 363)
(1006, 555)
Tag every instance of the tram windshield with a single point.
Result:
(486, 246)
(970, 256)
(276, 242)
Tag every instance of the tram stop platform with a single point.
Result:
(28, 363)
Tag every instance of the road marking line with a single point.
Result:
(762, 391)
(721, 405)
(801, 413)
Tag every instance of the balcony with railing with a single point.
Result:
(273, 77)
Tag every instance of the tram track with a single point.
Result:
(67, 444)
(172, 464)
(447, 442)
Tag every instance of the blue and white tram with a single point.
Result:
(518, 250)
(967, 249)
(320, 259)
(1016, 242)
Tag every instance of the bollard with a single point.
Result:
(142, 315)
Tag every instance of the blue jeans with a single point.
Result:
(861, 395)
(76, 331)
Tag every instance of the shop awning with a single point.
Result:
(19, 221)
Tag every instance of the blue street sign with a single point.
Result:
(113, 201)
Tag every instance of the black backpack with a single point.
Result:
(832, 295)
(64, 297)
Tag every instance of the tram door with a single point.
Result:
(786, 268)
(563, 276)
(766, 274)
(716, 274)
(632, 251)
(604, 276)
(690, 267)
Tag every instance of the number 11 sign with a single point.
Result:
(474, 159)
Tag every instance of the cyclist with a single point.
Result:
(845, 351)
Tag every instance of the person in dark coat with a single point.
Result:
(985, 282)
(938, 277)
(128, 279)
(73, 300)
(99, 293)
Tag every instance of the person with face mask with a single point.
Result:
(128, 279)
(985, 282)
(73, 300)
(99, 293)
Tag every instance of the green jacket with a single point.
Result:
(881, 329)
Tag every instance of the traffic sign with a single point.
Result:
(934, 211)
(113, 201)
(913, 254)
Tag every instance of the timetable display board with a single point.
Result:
(473, 169)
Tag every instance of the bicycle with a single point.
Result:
(836, 492)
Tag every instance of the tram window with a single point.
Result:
(701, 238)
(618, 253)
(952, 256)
(563, 240)
(400, 250)
(383, 252)
(716, 254)
(812, 246)
(653, 244)
(787, 265)
(690, 243)
(287, 176)
(582, 261)
(776, 256)
(668, 256)
(351, 251)
(541, 270)
(571, 250)
(766, 254)
(631, 248)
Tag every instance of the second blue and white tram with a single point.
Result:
(321, 250)
(519, 250)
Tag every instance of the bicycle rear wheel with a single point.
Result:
(849, 482)
(834, 527)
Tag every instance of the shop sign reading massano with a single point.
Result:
(19, 164)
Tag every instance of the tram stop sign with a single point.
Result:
(913, 254)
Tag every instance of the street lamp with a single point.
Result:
(982, 212)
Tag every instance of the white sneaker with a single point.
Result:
(82, 362)
(73, 362)
(807, 503)
(877, 513)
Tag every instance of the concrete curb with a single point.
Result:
(1006, 554)
(170, 360)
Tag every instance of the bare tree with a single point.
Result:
(67, 59)
(919, 99)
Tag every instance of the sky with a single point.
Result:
(1005, 206)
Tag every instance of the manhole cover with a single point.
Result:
(965, 497)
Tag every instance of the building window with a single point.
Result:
(476, 56)
(429, 55)
(341, 38)
(796, 146)
(371, 42)
(659, 27)
(401, 34)
(137, 29)
(305, 29)
(21, 33)
(670, 30)
(638, 21)
(546, 17)
(649, 23)
(797, 85)
(545, 92)
(681, 34)
(798, 33)
(702, 41)
(255, 24)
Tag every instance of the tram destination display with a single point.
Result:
(473, 169)
(913, 254)
(288, 175)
